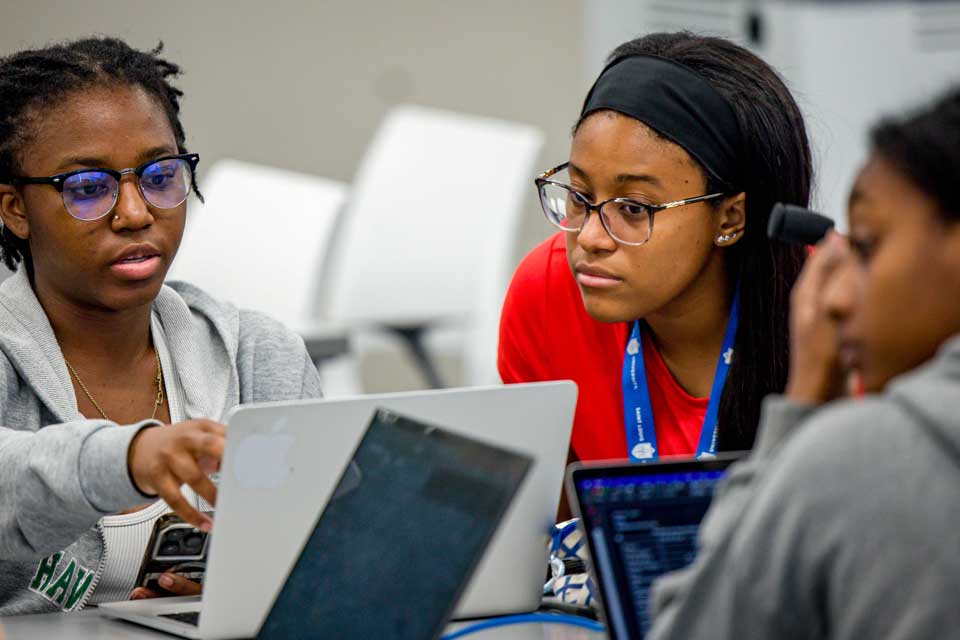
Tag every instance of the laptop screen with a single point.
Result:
(642, 522)
(407, 523)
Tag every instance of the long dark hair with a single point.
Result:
(38, 79)
(777, 165)
(924, 146)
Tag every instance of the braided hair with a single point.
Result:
(35, 80)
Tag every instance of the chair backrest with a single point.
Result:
(429, 231)
(259, 239)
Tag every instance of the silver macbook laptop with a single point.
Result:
(282, 461)
(398, 541)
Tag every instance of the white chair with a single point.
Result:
(427, 237)
(259, 241)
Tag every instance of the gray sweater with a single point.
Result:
(60, 472)
(843, 523)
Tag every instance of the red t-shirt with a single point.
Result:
(546, 334)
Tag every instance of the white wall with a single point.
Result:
(851, 63)
(847, 62)
(302, 85)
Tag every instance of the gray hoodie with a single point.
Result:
(60, 473)
(843, 523)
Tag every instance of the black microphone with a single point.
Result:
(796, 225)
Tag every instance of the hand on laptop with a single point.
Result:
(817, 374)
(173, 585)
(162, 459)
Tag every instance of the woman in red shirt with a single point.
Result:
(663, 269)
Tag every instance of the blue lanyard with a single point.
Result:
(638, 412)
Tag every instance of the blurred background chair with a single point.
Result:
(259, 241)
(423, 250)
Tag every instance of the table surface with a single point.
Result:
(90, 625)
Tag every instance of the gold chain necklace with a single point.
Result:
(159, 383)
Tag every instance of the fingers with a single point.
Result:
(207, 451)
(169, 490)
(172, 584)
(815, 375)
(205, 489)
(210, 427)
(806, 301)
(142, 593)
(824, 261)
(208, 445)
(178, 585)
(189, 471)
(209, 465)
(161, 460)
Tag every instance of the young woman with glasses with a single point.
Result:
(95, 352)
(662, 270)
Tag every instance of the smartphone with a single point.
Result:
(175, 546)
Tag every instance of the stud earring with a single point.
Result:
(726, 238)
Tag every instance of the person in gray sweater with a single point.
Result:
(111, 382)
(844, 521)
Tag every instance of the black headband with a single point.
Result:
(677, 103)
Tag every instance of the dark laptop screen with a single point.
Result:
(640, 526)
(401, 535)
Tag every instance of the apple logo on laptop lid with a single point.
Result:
(262, 458)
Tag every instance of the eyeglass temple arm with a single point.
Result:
(680, 203)
(51, 180)
(557, 169)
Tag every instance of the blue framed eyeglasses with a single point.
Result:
(90, 194)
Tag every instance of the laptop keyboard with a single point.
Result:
(188, 617)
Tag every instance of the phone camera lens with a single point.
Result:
(174, 535)
(169, 549)
(193, 543)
